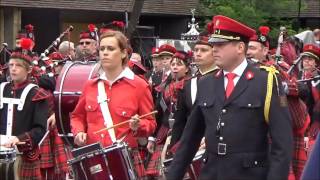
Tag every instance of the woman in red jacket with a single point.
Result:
(127, 97)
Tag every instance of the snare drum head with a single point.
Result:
(68, 89)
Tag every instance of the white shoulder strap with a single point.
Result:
(24, 94)
(194, 89)
(102, 100)
(2, 85)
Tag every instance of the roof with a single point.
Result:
(176, 7)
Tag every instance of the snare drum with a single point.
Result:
(94, 163)
(68, 89)
(7, 160)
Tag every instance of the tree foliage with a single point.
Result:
(253, 13)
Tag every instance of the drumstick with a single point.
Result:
(43, 138)
(21, 143)
(124, 122)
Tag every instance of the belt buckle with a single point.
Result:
(222, 149)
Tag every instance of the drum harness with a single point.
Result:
(103, 101)
(13, 101)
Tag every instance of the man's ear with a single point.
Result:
(241, 47)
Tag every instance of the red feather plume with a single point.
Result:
(91, 27)
(26, 43)
(210, 28)
(264, 30)
(29, 28)
(119, 24)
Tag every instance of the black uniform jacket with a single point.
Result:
(243, 139)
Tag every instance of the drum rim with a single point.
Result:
(117, 145)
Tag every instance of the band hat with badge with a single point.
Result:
(27, 32)
(155, 52)
(226, 29)
(204, 36)
(185, 57)
(90, 33)
(57, 58)
(24, 52)
(167, 49)
(311, 50)
(113, 26)
(262, 37)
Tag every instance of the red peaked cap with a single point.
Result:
(184, 56)
(262, 37)
(167, 49)
(24, 52)
(311, 50)
(155, 52)
(227, 29)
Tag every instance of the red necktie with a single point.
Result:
(230, 85)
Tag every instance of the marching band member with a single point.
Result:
(203, 58)
(258, 49)
(166, 106)
(88, 44)
(155, 75)
(126, 96)
(236, 114)
(66, 48)
(23, 112)
(310, 69)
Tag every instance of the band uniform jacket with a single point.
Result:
(184, 107)
(242, 140)
(31, 122)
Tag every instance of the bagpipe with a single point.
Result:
(43, 64)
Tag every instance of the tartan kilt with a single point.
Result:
(28, 170)
(154, 165)
(53, 155)
(138, 163)
(299, 156)
(298, 112)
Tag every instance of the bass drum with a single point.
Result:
(69, 85)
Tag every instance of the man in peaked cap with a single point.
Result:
(236, 114)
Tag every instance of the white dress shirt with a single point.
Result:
(238, 71)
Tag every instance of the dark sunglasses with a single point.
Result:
(85, 42)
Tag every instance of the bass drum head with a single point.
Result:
(68, 89)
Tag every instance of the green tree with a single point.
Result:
(253, 13)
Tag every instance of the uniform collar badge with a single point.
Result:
(249, 75)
